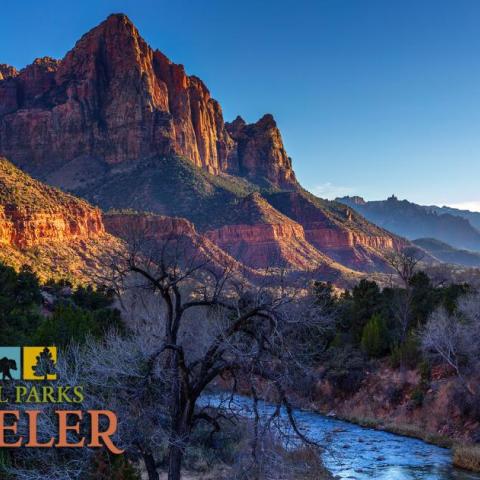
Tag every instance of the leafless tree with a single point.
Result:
(405, 264)
(208, 324)
(453, 339)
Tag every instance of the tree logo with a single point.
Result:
(39, 363)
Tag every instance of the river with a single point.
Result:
(358, 453)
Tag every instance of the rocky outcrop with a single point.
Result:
(7, 71)
(162, 233)
(338, 231)
(113, 99)
(259, 152)
(23, 228)
(32, 213)
(262, 237)
(57, 235)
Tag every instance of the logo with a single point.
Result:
(39, 363)
(28, 363)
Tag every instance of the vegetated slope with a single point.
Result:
(56, 234)
(448, 254)
(415, 221)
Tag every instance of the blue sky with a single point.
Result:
(373, 97)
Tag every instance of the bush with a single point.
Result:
(417, 397)
(406, 354)
(70, 323)
(375, 337)
(112, 467)
(345, 368)
(467, 456)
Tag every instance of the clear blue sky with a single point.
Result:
(373, 97)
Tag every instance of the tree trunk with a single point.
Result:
(151, 467)
(175, 463)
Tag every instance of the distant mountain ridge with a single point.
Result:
(446, 253)
(417, 221)
(472, 217)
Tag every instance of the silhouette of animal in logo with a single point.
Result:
(7, 364)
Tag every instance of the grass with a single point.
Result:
(467, 457)
(403, 429)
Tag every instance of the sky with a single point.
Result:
(373, 97)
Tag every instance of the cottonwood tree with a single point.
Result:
(206, 323)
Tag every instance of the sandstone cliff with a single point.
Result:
(338, 230)
(113, 99)
(259, 152)
(55, 233)
(263, 237)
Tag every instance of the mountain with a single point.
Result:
(122, 126)
(58, 235)
(472, 217)
(113, 99)
(415, 221)
(446, 253)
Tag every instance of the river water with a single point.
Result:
(354, 452)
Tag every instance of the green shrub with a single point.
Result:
(69, 323)
(417, 397)
(375, 337)
(406, 354)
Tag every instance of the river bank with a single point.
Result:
(400, 402)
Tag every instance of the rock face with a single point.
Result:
(55, 233)
(179, 233)
(261, 236)
(337, 230)
(260, 152)
(32, 213)
(113, 99)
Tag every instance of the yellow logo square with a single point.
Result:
(39, 363)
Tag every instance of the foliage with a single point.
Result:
(69, 323)
(112, 467)
(375, 337)
(20, 300)
(345, 368)
(406, 354)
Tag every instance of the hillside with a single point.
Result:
(415, 221)
(58, 235)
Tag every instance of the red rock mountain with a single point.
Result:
(119, 124)
(113, 99)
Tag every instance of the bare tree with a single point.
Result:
(209, 324)
(405, 265)
(453, 339)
